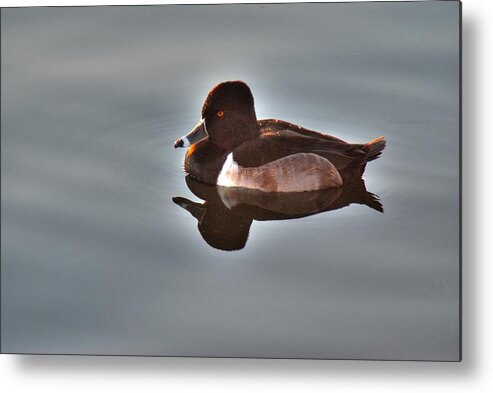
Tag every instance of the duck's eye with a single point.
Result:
(220, 113)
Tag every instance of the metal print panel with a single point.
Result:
(313, 210)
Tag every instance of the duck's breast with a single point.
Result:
(204, 161)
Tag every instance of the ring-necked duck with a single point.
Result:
(231, 148)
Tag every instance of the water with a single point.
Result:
(98, 257)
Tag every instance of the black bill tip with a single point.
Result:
(179, 143)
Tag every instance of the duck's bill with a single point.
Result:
(198, 134)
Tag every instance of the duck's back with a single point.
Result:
(278, 139)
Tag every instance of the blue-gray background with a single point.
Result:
(97, 259)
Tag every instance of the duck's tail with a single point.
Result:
(374, 148)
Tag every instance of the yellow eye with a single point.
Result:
(220, 113)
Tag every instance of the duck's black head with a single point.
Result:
(228, 117)
(229, 114)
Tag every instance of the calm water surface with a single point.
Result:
(98, 257)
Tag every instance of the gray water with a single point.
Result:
(98, 259)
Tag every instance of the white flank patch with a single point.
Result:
(229, 172)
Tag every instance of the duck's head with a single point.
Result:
(228, 117)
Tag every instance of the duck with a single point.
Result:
(230, 148)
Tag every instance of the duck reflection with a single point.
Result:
(224, 219)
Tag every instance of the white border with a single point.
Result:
(474, 374)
